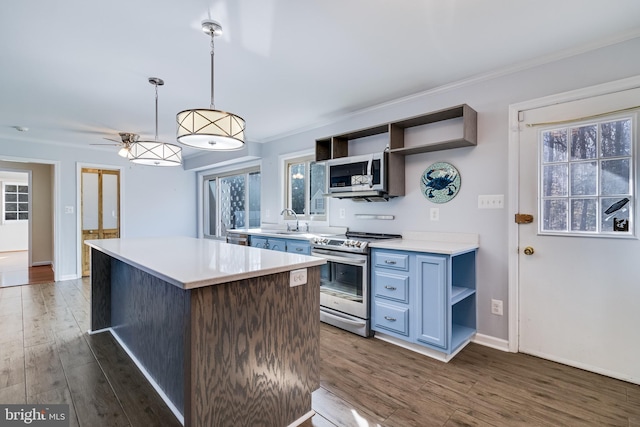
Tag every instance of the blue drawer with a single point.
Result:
(302, 248)
(395, 319)
(391, 286)
(391, 260)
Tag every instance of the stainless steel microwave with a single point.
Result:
(358, 176)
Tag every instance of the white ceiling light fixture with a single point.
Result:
(155, 153)
(127, 139)
(211, 129)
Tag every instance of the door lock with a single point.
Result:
(528, 250)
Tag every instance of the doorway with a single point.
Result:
(27, 217)
(100, 208)
(575, 268)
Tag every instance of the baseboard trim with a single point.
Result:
(69, 277)
(303, 418)
(493, 342)
(583, 366)
(41, 263)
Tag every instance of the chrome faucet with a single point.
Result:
(291, 211)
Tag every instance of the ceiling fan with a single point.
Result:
(126, 139)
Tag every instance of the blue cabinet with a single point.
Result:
(302, 247)
(283, 245)
(426, 299)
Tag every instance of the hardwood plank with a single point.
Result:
(14, 394)
(10, 292)
(341, 413)
(73, 349)
(58, 396)
(317, 421)
(11, 363)
(43, 369)
(488, 408)
(140, 402)
(95, 403)
(37, 331)
(462, 419)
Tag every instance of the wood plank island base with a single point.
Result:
(227, 334)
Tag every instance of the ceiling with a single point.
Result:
(75, 71)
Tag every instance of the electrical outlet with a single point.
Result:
(496, 307)
(491, 201)
(267, 213)
(343, 213)
(434, 214)
(297, 277)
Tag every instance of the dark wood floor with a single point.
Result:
(46, 356)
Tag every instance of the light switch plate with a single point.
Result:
(491, 201)
(297, 277)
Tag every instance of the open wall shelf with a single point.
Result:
(338, 145)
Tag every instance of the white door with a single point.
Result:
(579, 289)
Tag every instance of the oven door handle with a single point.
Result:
(341, 260)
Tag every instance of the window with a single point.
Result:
(305, 187)
(231, 201)
(15, 202)
(587, 179)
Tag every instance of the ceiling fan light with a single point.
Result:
(124, 152)
(210, 129)
(154, 153)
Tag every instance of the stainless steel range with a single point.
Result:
(345, 287)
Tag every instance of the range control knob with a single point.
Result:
(320, 240)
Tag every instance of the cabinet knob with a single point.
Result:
(299, 249)
(390, 319)
(528, 250)
(391, 288)
(386, 261)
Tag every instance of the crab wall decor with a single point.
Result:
(440, 182)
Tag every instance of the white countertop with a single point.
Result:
(280, 231)
(430, 242)
(190, 263)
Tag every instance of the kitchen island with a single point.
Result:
(228, 335)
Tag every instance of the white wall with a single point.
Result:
(483, 168)
(155, 201)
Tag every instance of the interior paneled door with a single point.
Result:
(100, 208)
(579, 293)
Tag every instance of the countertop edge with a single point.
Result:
(445, 248)
(230, 277)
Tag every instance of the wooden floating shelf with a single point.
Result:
(338, 145)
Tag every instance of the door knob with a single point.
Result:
(528, 250)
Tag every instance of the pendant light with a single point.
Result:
(155, 153)
(210, 129)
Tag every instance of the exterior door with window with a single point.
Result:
(100, 209)
(579, 260)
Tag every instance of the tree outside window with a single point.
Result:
(586, 178)
(305, 188)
